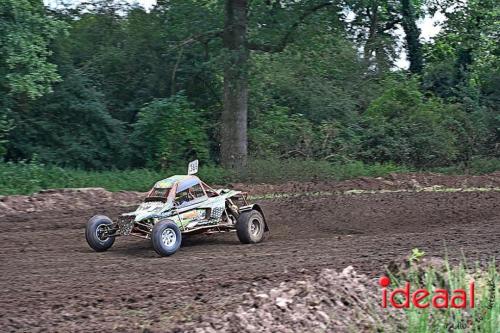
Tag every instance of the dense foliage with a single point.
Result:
(111, 85)
(170, 130)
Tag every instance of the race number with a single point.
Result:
(193, 167)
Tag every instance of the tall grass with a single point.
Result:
(23, 178)
(476, 166)
(484, 317)
(27, 178)
(275, 171)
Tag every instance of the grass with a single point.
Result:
(24, 178)
(484, 317)
(277, 171)
(476, 166)
(27, 178)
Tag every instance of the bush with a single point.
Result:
(169, 133)
(70, 127)
(403, 127)
(277, 133)
(5, 127)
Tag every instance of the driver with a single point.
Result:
(183, 197)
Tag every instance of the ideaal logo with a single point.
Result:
(440, 298)
(422, 298)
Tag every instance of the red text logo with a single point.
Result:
(422, 298)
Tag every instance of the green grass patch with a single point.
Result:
(23, 178)
(27, 178)
(477, 166)
(277, 171)
(484, 317)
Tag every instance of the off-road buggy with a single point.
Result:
(179, 206)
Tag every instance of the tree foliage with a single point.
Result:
(405, 127)
(25, 33)
(69, 127)
(169, 132)
(108, 84)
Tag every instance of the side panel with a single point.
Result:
(198, 214)
(207, 212)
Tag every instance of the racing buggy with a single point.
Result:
(177, 207)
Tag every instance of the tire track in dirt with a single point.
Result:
(52, 280)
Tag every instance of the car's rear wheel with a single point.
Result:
(166, 237)
(97, 233)
(250, 227)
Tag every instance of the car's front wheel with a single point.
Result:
(166, 237)
(97, 233)
(250, 227)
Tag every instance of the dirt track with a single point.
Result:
(50, 279)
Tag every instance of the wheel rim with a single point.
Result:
(168, 237)
(101, 232)
(255, 227)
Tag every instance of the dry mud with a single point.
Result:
(52, 281)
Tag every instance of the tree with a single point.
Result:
(374, 28)
(308, 79)
(69, 127)
(234, 116)
(412, 36)
(169, 132)
(25, 71)
(463, 67)
(469, 36)
(25, 34)
(404, 127)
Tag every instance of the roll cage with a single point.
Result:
(182, 191)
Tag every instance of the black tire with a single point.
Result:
(94, 230)
(166, 237)
(250, 227)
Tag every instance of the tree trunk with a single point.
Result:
(370, 45)
(412, 35)
(234, 115)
